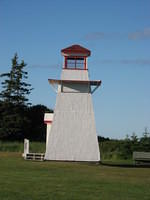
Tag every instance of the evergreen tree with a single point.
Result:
(15, 90)
(145, 133)
(134, 138)
(14, 101)
(145, 141)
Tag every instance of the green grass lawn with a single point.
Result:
(27, 180)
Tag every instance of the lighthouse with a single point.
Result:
(72, 136)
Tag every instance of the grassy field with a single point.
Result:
(18, 147)
(27, 180)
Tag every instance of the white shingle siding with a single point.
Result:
(70, 74)
(73, 132)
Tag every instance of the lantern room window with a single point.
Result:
(75, 63)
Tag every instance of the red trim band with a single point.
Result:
(47, 121)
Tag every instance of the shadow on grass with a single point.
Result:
(127, 165)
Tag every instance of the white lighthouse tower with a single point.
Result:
(73, 132)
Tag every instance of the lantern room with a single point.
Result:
(75, 57)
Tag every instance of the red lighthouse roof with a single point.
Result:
(76, 50)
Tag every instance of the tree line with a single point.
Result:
(18, 118)
(124, 148)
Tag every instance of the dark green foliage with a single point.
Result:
(14, 122)
(15, 89)
(13, 105)
(123, 149)
(145, 140)
(18, 120)
(102, 139)
(37, 129)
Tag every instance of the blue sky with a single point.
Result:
(118, 35)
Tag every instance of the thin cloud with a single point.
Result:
(43, 66)
(100, 35)
(145, 34)
(141, 62)
(95, 36)
(103, 35)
